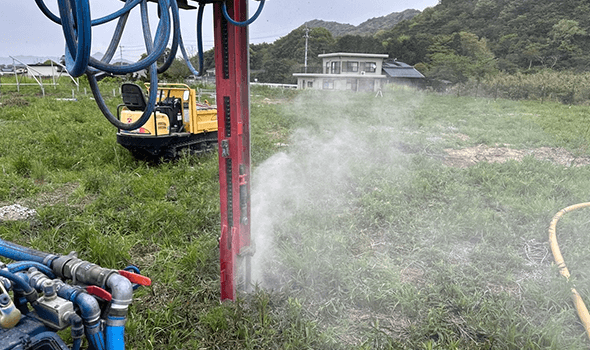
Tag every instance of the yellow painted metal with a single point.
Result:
(159, 126)
(197, 118)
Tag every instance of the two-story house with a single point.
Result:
(346, 71)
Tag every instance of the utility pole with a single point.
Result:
(306, 41)
(121, 50)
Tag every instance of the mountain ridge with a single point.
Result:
(368, 27)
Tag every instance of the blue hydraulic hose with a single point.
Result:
(19, 281)
(78, 40)
(201, 70)
(153, 82)
(96, 341)
(116, 39)
(129, 5)
(245, 23)
(175, 38)
(17, 252)
(77, 25)
(77, 344)
(159, 44)
(107, 113)
(125, 9)
(47, 12)
(25, 265)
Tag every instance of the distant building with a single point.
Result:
(11, 70)
(401, 73)
(46, 70)
(357, 72)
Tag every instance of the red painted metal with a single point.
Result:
(136, 278)
(233, 115)
(99, 292)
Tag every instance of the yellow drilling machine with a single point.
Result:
(178, 123)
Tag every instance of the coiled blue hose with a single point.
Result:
(74, 17)
(76, 22)
(245, 23)
(77, 40)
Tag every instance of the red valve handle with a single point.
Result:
(99, 292)
(136, 278)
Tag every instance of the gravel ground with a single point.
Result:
(16, 212)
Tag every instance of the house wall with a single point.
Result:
(352, 65)
(349, 83)
(342, 71)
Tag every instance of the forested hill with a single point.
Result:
(369, 27)
(456, 40)
(521, 34)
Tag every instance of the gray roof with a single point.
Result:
(397, 69)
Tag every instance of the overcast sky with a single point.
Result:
(24, 30)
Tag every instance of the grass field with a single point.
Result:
(373, 230)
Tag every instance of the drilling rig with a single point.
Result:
(43, 293)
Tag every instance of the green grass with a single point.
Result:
(372, 242)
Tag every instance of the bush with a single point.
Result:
(548, 85)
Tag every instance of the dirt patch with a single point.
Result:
(14, 101)
(23, 209)
(465, 157)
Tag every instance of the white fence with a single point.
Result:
(278, 86)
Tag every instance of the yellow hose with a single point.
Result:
(578, 302)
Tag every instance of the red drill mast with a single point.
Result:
(233, 115)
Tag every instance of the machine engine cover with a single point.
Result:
(30, 334)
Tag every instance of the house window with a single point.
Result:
(328, 84)
(350, 66)
(327, 68)
(336, 67)
(310, 84)
(369, 67)
(351, 84)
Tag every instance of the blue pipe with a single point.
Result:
(116, 38)
(77, 24)
(115, 335)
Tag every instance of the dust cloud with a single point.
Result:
(345, 141)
